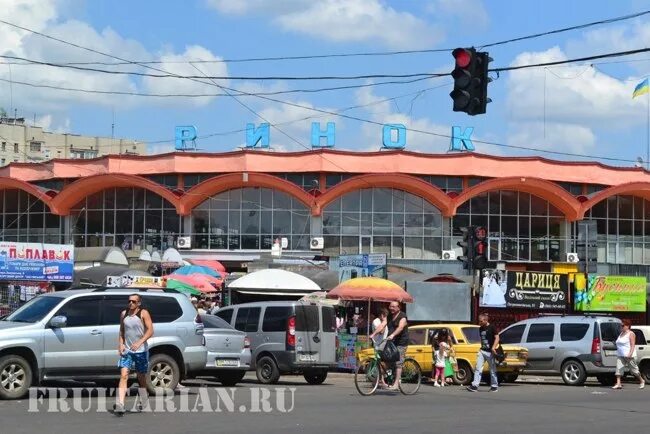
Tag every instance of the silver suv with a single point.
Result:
(74, 335)
(572, 346)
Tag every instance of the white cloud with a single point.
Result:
(173, 64)
(574, 94)
(341, 20)
(567, 137)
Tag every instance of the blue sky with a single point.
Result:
(580, 109)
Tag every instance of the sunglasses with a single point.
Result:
(133, 301)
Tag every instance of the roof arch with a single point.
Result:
(7, 183)
(638, 189)
(408, 183)
(83, 187)
(556, 195)
(218, 184)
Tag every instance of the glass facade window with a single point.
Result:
(383, 220)
(192, 179)
(250, 219)
(445, 183)
(167, 181)
(571, 187)
(27, 219)
(125, 217)
(334, 178)
(521, 227)
(306, 181)
(623, 229)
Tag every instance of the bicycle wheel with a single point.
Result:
(411, 377)
(366, 377)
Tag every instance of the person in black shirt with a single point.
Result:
(487, 353)
(398, 332)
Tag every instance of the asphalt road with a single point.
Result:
(524, 407)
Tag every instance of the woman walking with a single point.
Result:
(626, 352)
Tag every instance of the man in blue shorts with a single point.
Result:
(136, 328)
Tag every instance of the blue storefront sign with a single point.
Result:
(366, 265)
(36, 262)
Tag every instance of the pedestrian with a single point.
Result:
(626, 352)
(201, 307)
(487, 353)
(441, 354)
(136, 328)
(398, 332)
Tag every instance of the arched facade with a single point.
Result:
(382, 220)
(25, 216)
(250, 218)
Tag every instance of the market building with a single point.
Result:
(232, 206)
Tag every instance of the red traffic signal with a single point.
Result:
(463, 57)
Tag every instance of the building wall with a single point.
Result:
(22, 143)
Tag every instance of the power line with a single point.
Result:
(357, 54)
(224, 77)
(205, 95)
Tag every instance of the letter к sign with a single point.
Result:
(461, 140)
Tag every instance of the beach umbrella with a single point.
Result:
(197, 269)
(215, 265)
(197, 281)
(182, 287)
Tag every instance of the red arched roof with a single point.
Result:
(407, 183)
(556, 195)
(83, 187)
(638, 189)
(218, 184)
(7, 183)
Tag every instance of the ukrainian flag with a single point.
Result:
(641, 89)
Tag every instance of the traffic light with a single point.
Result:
(480, 260)
(470, 81)
(467, 244)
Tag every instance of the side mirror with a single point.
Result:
(58, 322)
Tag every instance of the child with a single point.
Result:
(441, 354)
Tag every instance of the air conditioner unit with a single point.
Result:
(317, 243)
(448, 255)
(572, 257)
(184, 242)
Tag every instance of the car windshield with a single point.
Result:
(472, 335)
(35, 309)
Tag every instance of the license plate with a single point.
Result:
(226, 362)
(610, 353)
(307, 357)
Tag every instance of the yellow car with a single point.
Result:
(466, 340)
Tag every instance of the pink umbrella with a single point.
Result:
(215, 281)
(215, 265)
(197, 281)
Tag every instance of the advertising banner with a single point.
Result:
(36, 261)
(524, 289)
(345, 352)
(366, 265)
(612, 294)
(134, 281)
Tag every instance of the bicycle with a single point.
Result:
(369, 372)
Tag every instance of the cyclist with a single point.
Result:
(398, 332)
(379, 335)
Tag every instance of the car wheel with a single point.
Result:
(267, 371)
(163, 373)
(230, 379)
(463, 375)
(15, 377)
(508, 378)
(573, 373)
(606, 379)
(315, 376)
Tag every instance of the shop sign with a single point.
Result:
(612, 294)
(36, 261)
(524, 289)
(366, 265)
(134, 281)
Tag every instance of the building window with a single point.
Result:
(81, 154)
(35, 146)
(521, 227)
(250, 219)
(16, 148)
(306, 181)
(571, 187)
(623, 229)
(167, 181)
(125, 217)
(445, 183)
(383, 220)
(25, 218)
(3, 162)
(192, 179)
(332, 179)
(4, 146)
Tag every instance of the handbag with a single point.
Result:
(449, 369)
(390, 353)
